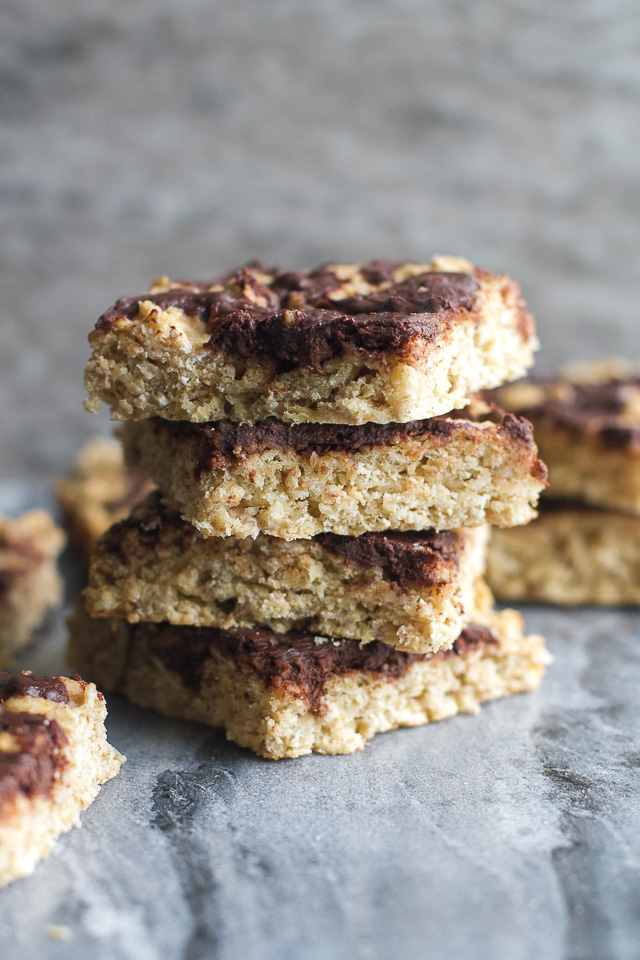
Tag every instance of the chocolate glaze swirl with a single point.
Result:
(34, 765)
(296, 664)
(26, 685)
(293, 321)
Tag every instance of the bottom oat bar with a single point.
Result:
(54, 756)
(30, 585)
(286, 695)
(572, 554)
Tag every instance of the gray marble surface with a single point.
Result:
(512, 835)
(186, 136)
(183, 138)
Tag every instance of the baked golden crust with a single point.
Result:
(572, 554)
(435, 474)
(376, 342)
(414, 591)
(99, 491)
(30, 585)
(54, 756)
(312, 697)
(587, 426)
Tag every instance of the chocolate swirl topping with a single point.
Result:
(296, 664)
(26, 685)
(32, 767)
(291, 320)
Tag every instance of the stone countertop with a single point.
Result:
(184, 138)
(187, 137)
(511, 835)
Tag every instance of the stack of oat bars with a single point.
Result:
(309, 571)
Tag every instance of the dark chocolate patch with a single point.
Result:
(380, 271)
(296, 664)
(408, 558)
(33, 768)
(311, 337)
(26, 685)
(430, 293)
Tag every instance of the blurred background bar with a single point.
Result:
(187, 136)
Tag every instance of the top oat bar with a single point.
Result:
(378, 342)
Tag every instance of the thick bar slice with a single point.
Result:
(376, 342)
(572, 554)
(587, 425)
(54, 756)
(298, 481)
(285, 695)
(99, 491)
(412, 590)
(30, 585)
